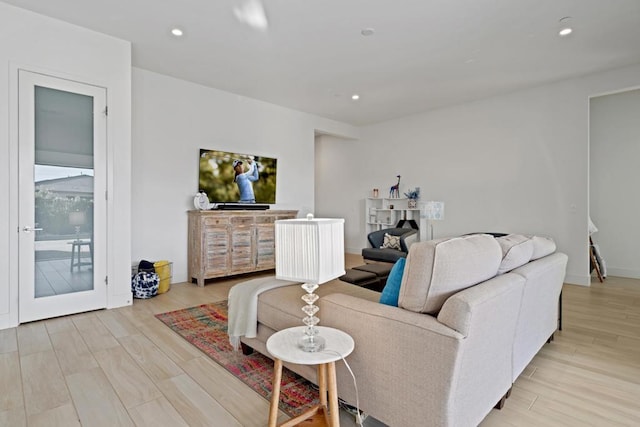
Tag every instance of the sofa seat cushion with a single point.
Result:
(516, 251)
(361, 278)
(281, 308)
(437, 269)
(381, 270)
(383, 255)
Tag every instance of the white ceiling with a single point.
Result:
(424, 54)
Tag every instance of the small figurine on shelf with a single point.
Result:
(413, 196)
(394, 191)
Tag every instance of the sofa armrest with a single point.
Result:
(402, 360)
(408, 239)
(458, 310)
(411, 367)
(538, 317)
(376, 238)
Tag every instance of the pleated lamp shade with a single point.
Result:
(77, 218)
(310, 250)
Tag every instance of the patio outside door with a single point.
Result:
(62, 196)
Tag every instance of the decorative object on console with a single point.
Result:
(394, 191)
(310, 251)
(413, 196)
(201, 201)
(433, 211)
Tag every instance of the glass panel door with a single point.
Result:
(62, 151)
(63, 199)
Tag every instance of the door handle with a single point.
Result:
(28, 229)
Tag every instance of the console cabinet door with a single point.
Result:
(216, 249)
(242, 248)
(266, 246)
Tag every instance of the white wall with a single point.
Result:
(615, 175)
(512, 163)
(172, 120)
(38, 43)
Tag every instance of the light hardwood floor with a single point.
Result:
(123, 367)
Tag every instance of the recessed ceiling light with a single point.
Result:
(565, 31)
(367, 32)
(565, 26)
(177, 32)
(355, 97)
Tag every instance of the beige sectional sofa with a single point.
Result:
(473, 311)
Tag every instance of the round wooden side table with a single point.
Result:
(283, 346)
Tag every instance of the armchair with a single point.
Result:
(376, 239)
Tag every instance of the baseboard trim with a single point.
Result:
(623, 272)
(574, 279)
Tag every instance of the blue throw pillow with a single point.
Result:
(391, 290)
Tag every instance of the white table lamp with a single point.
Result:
(433, 211)
(77, 219)
(310, 251)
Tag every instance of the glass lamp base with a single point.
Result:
(311, 343)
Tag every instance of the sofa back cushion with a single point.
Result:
(542, 246)
(516, 251)
(437, 269)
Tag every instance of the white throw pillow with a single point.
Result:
(516, 251)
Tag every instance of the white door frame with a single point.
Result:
(31, 308)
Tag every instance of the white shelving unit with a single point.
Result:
(381, 212)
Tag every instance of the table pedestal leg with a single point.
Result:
(275, 396)
(333, 395)
(327, 387)
(322, 384)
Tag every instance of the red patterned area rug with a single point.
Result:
(205, 327)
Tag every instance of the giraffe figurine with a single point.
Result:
(394, 191)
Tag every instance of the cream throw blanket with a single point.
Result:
(243, 306)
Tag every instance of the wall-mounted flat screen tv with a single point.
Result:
(237, 178)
